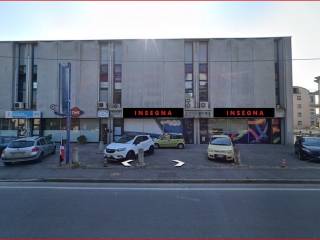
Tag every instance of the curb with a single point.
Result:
(173, 181)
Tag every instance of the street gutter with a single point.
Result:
(200, 181)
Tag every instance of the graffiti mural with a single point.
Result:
(258, 130)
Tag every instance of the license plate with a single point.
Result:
(220, 156)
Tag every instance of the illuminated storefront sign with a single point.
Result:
(243, 112)
(22, 114)
(152, 112)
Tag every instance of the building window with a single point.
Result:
(299, 106)
(298, 97)
(312, 99)
(103, 96)
(189, 80)
(104, 71)
(296, 91)
(312, 122)
(34, 86)
(117, 73)
(203, 72)
(299, 114)
(22, 83)
(188, 69)
(203, 82)
(277, 70)
(299, 123)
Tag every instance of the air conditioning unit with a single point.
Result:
(189, 103)
(116, 105)
(19, 105)
(204, 105)
(102, 105)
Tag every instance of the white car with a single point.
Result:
(221, 146)
(127, 147)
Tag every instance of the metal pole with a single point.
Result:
(68, 116)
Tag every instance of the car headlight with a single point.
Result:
(121, 149)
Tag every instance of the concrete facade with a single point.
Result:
(241, 73)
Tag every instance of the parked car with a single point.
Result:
(307, 148)
(4, 141)
(127, 147)
(27, 149)
(221, 146)
(170, 140)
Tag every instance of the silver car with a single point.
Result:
(27, 149)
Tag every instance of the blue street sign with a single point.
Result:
(23, 114)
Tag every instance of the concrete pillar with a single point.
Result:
(196, 131)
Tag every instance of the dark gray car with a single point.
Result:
(27, 149)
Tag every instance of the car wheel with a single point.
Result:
(300, 156)
(151, 150)
(40, 157)
(180, 146)
(54, 151)
(156, 145)
(130, 155)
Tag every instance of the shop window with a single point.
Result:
(276, 131)
(52, 124)
(204, 136)
(259, 131)
(89, 124)
(117, 128)
(75, 124)
(188, 130)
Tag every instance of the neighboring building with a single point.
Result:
(241, 87)
(304, 108)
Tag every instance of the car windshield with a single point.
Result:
(20, 144)
(124, 139)
(311, 141)
(220, 141)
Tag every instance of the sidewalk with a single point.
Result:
(206, 175)
(259, 163)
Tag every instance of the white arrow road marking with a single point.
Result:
(126, 163)
(179, 163)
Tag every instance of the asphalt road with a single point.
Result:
(158, 210)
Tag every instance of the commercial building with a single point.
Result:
(198, 87)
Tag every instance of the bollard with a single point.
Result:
(75, 156)
(141, 162)
(237, 156)
(101, 146)
(283, 163)
(105, 162)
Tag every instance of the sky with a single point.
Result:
(117, 20)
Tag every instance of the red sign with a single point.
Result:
(243, 112)
(75, 112)
(152, 112)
